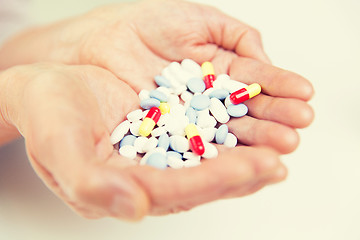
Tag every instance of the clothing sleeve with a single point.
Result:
(14, 16)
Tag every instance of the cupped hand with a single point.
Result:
(135, 41)
(66, 114)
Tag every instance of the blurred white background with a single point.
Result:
(321, 197)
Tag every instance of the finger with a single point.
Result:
(234, 35)
(251, 131)
(274, 81)
(214, 179)
(292, 112)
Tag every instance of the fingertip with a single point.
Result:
(305, 116)
(280, 174)
(266, 160)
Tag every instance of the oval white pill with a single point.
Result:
(139, 144)
(232, 85)
(191, 156)
(134, 128)
(144, 94)
(179, 144)
(158, 131)
(207, 134)
(191, 163)
(230, 140)
(148, 154)
(175, 162)
(227, 101)
(192, 67)
(128, 151)
(119, 132)
(210, 151)
(173, 100)
(186, 96)
(163, 119)
(134, 115)
(218, 110)
(150, 144)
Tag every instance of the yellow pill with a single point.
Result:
(253, 89)
(207, 69)
(191, 130)
(164, 108)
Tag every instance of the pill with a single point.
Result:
(158, 131)
(158, 95)
(176, 125)
(186, 96)
(220, 94)
(149, 103)
(119, 132)
(150, 144)
(180, 89)
(144, 94)
(134, 115)
(177, 110)
(165, 90)
(127, 140)
(238, 110)
(164, 141)
(139, 144)
(191, 163)
(191, 114)
(134, 128)
(207, 134)
(245, 93)
(192, 67)
(210, 151)
(177, 71)
(191, 156)
(128, 151)
(208, 74)
(208, 91)
(144, 114)
(195, 141)
(231, 140)
(149, 122)
(232, 85)
(163, 119)
(164, 108)
(196, 85)
(174, 154)
(221, 134)
(179, 143)
(144, 159)
(162, 81)
(218, 110)
(175, 163)
(166, 73)
(200, 102)
(222, 77)
(173, 100)
(206, 121)
(157, 160)
(227, 101)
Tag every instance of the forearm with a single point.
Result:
(8, 131)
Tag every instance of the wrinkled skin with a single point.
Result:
(134, 42)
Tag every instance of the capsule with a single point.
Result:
(164, 108)
(245, 93)
(149, 122)
(208, 73)
(196, 143)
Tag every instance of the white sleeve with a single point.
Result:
(14, 16)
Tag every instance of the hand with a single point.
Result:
(66, 113)
(151, 34)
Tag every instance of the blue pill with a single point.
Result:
(173, 154)
(221, 134)
(164, 141)
(238, 110)
(128, 140)
(196, 85)
(158, 95)
(191, 114)
(149, 103)
(161, 81)
(220, 94)
(157, 160)
(200, 102)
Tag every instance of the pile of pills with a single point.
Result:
(183, 116)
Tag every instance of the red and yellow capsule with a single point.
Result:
(149, 122)
(208, 73)
(245, 93)
(196, 143)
